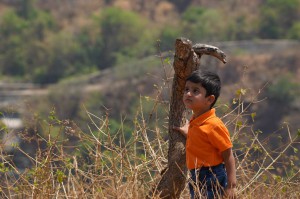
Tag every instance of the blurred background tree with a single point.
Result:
(207, 24)
(121, 33)
(41, 45)
(277, 17)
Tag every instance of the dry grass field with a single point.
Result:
(104, 164)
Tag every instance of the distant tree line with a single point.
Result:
(35, 48)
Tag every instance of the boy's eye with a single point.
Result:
(196, 91)
(193, 91)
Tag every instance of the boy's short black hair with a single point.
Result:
(209, 81)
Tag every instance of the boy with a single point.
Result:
(209, 154)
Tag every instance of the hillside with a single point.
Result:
(69, 38)
(60, 137)
(253, 66)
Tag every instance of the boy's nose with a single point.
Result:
(188, 93)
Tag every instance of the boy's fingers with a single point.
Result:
(230, 194)
(176, 128)
(179, 129)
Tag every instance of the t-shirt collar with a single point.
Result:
(205, 116)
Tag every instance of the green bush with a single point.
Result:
(277, 17)
(201, 24)
(12, 47)
(284, 91)
(121, 31)
(21, 44)
(294, 32)
(167, 37)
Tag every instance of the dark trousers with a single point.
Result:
(208, 182)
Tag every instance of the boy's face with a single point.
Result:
(194, 98)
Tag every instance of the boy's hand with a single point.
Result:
(183, 129)
(230, 193)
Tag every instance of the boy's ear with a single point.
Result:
(211, 99)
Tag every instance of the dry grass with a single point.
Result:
(104, 164)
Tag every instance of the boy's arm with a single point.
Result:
(231, 174)
(184, 129)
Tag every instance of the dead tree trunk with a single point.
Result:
(186, 60)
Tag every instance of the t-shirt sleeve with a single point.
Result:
(220, 138)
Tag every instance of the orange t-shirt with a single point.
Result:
(207, 138)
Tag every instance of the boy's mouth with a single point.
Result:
(188, 101)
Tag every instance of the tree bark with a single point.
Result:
(186, 60)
